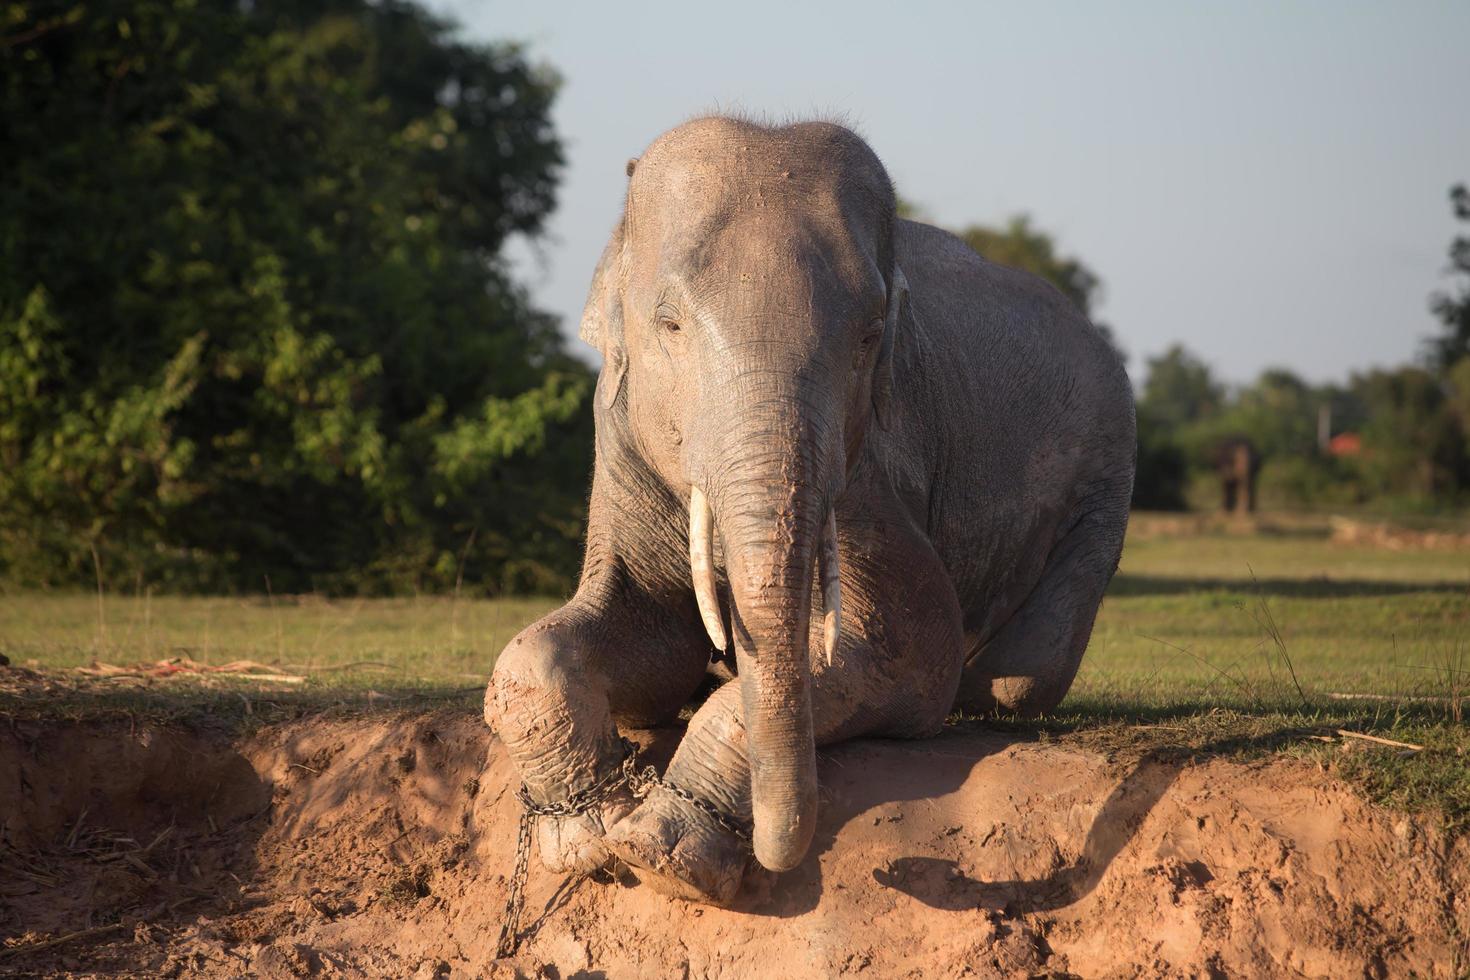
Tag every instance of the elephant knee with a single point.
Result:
(550, 711)
(533, 676)
(1026, 697)
(1016, 695)
(538, 657)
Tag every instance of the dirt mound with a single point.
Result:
(380, 848)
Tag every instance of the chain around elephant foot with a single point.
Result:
(703, 862)
(569, 833)
(575, 843)
(682, 846)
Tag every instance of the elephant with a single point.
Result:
(1237, 463)
(890, 477)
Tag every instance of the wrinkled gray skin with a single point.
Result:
(773, 334)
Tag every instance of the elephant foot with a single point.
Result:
(680, 850)
(577, 844)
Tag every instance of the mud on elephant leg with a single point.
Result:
(552, 700)
(894, 587)
(678, 847)
(555, 723)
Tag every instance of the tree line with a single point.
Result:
(1393, 439)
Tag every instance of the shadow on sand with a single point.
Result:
(941, 883)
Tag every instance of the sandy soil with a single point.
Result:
(380, 848)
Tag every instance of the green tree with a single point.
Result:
(1162, 469)
(1278, 414)
(1457, 383)
(1412, 443)
(1179, 389)
(1023, 246)
(1179, 393)
(1453, 308)
(254, 317)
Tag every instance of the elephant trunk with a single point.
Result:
(769, 553)
(773, 514)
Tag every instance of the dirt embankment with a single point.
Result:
(380, 848)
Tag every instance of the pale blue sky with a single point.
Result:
(1265, 182)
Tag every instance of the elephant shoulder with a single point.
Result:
(949, 277)
(1008, 347)
(1006, 319)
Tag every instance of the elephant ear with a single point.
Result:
(602, 319)
(898, 299)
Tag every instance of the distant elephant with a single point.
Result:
(1237, 463)
(806, 403)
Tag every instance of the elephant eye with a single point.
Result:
(670, 326)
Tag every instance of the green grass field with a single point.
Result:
(1188, 616)
(1208, 641)
(338, 642)
(1232, 616)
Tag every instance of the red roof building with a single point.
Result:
(1345, 444)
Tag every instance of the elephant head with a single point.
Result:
(746, 309)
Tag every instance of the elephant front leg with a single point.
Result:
(552, 700)
(690, 837)
(895, 673)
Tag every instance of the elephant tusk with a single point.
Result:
(828, 573)
(702, 565)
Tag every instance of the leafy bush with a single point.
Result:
(1307, 481)
(253, 318)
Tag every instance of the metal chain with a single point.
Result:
(639, 782)
(650, 779)
(510, 926)
(585, 799)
